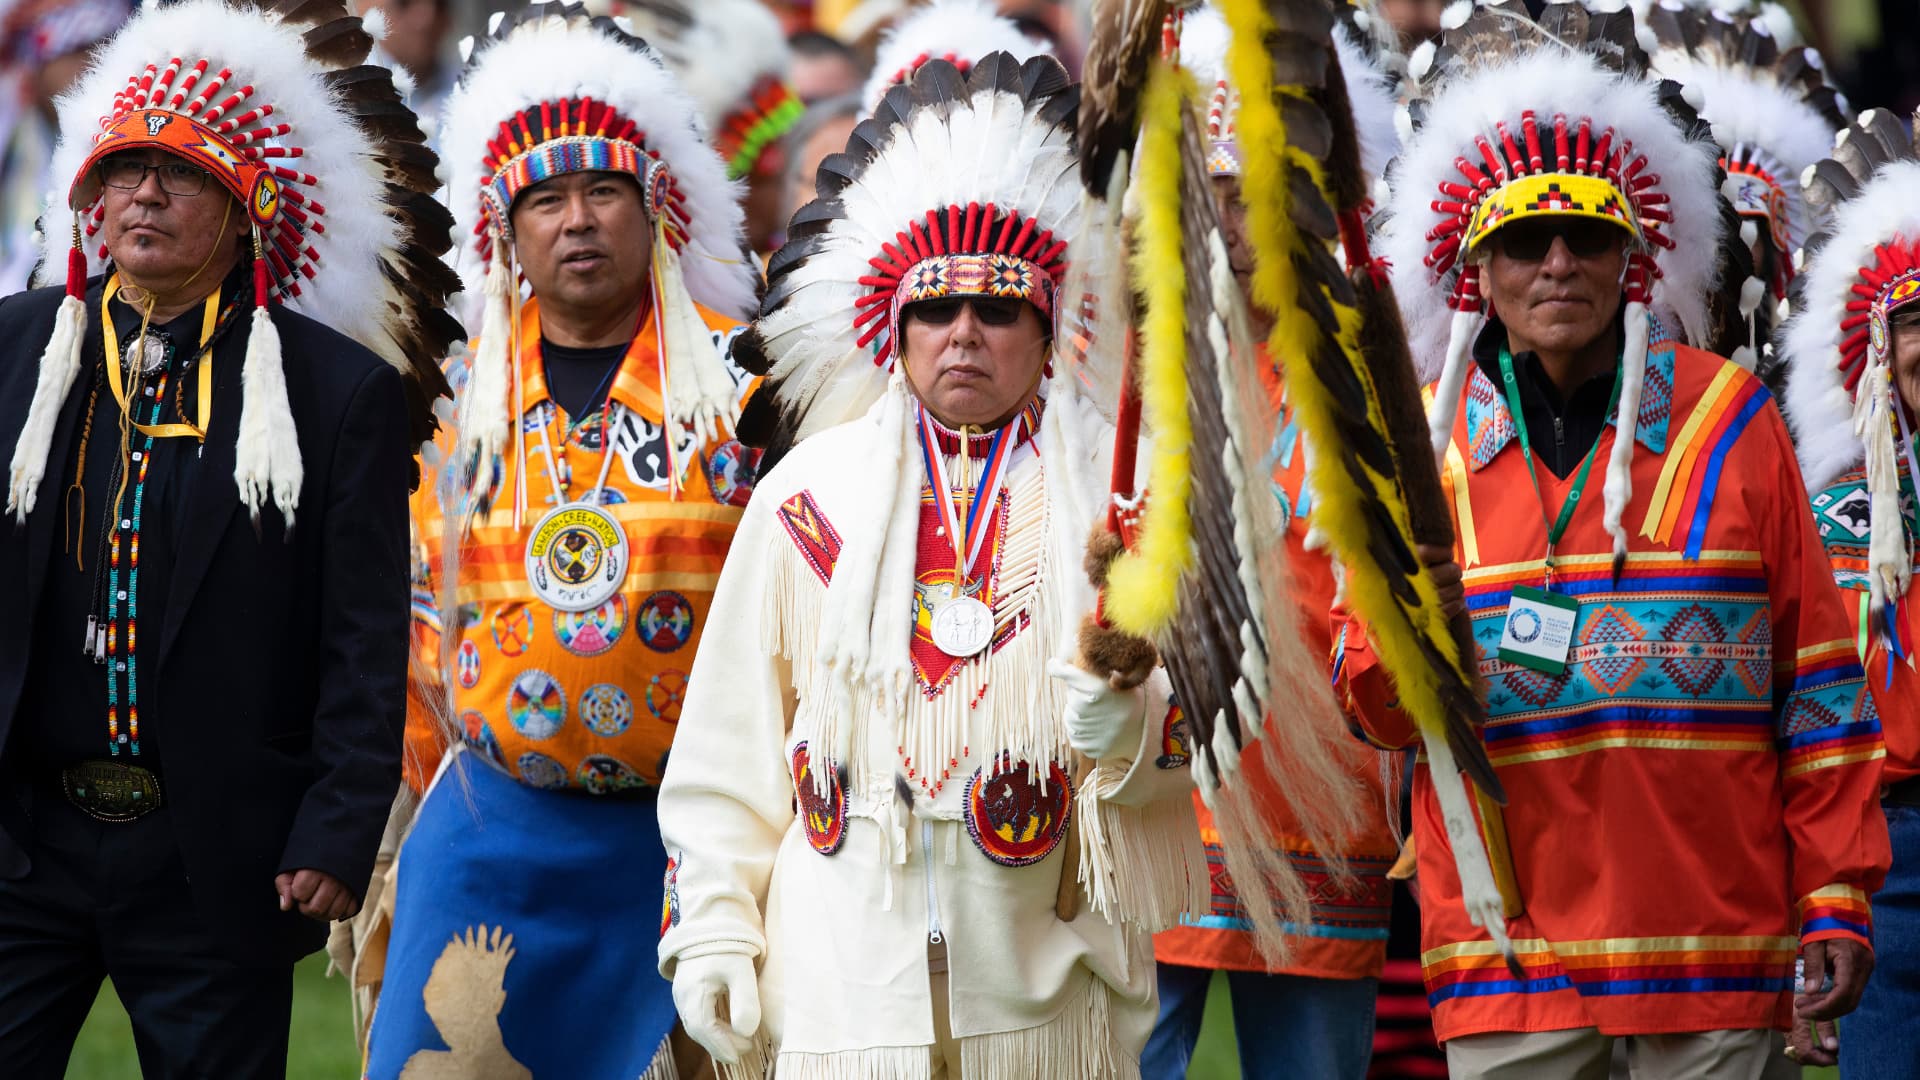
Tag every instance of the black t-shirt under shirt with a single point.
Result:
(578, 379)
(1561, 432)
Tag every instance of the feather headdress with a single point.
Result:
(553, 90)
(1842, 401)
(732, 56)
(275, 100)
(1773, 114)
(1519, 118)
(975, 167)
(957, 31)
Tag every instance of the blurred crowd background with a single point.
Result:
(1872, 46)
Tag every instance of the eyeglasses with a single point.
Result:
(176, 177)
(990, 310)
(1529, 241)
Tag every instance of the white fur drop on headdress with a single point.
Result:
(267, 456)
(59, 365)
(961, 30)
(699, 395)
(1818, 405)
(485, 419)
(551, 59)
(1548, 81)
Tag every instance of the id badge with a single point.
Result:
(1539, 631)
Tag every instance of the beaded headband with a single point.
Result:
(970, 250)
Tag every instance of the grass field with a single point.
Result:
(322, 1036)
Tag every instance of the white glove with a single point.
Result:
(1099, 718)
(700, 985)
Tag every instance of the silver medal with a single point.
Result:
(962, 627)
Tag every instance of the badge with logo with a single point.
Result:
(576, 557)
(1539, 632)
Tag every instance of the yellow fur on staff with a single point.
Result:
(1142, 588)
(1295, 339)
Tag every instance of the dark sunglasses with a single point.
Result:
(990, 310)
(1529, 241)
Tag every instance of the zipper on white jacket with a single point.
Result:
(934, 936)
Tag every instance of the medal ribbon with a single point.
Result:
(1557, 527)
(209, 319)
(969, 537)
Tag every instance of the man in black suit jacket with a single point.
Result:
(201, 705)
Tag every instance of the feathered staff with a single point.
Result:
(1203, 582)
(1375, 485)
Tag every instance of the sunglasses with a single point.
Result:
(1529, 241)
(990, 310)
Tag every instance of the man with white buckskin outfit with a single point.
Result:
(869, 793)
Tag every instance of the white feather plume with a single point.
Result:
(956, 30)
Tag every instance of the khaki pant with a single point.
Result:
(1586, 1054)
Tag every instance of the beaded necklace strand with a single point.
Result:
(119, 622)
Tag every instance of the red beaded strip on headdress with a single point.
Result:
(1575, 151)
(1021, 249)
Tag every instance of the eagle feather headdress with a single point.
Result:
(275, 99)
(732, 57)
(1842, 401)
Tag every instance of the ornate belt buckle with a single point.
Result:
(110, 791)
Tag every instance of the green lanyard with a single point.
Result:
(1558, 527)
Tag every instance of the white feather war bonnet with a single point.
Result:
(1519, 119)
(553, 90)
(1842, 400)
(276, 102)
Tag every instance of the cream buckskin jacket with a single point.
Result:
(838, 900)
